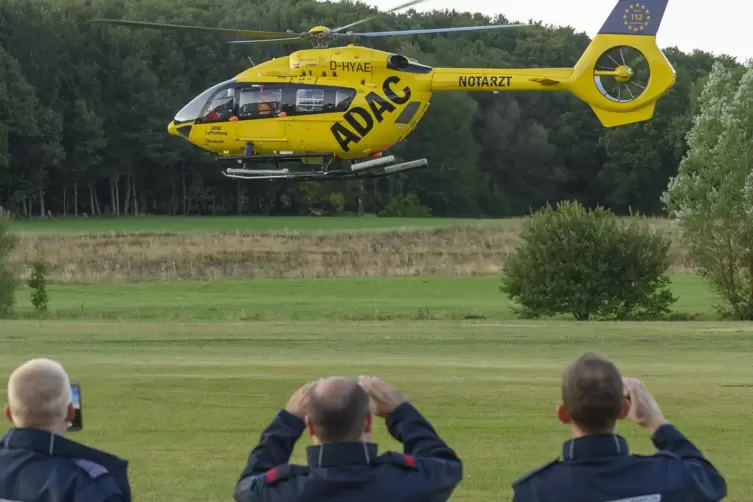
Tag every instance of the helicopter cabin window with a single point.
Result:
(221, 107)
(309, 100)
(259, 102)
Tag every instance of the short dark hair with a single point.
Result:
(340, 417)
(593, 393)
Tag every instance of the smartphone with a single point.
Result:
(77, 424)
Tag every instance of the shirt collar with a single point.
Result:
(587, 447)
(336, 454)
(53, 444)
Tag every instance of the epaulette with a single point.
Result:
(536, 471)
(394, 458)
(92, 469)
(281, 472)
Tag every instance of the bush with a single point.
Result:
(8, 282)
(587, 263)
(38, 285)
(407, 206)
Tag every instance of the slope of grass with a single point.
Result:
(377, 298)
(185, 402)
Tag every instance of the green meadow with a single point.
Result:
(181, 376)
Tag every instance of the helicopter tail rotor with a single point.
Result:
(623, 72)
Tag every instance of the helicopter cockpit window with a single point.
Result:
(221, 107)
(343, 98)
(257, 102)
(192, 110)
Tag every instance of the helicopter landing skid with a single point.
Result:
(376, 168)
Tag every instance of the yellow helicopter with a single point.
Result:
(352, 103)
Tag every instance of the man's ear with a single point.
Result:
(309, 426)
(562, 414)
(8, 414)
(625, 409)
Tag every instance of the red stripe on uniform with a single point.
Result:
(271, 475)
(410, 460)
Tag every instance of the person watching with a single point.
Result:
(38, 464)
(343, 464)
(596, 465)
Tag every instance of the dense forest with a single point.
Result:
(84, 110)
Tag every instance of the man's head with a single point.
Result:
(339, 412)
(592, 396)
(39, 396)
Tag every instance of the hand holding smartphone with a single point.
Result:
(77, 424)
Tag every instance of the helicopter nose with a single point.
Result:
(182, 130)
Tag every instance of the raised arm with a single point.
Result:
(705, 481)
(439, 465)
(416, 434)
(275, 445)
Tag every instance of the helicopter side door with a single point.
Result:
(259, 119)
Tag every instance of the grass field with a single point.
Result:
(185, 402)
(180, 377)
(338, 299)
(229, 224)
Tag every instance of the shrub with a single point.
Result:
(407, 206)
(38, 284)
(8, 282)
(588, 263)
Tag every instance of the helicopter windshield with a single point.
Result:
(192, 110)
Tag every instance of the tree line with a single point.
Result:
(84, 109)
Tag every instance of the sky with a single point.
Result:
(717, 26)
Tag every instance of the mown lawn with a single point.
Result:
(338, 299)
(185, 401)
(229, 224)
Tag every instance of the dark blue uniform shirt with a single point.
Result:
(39, 466)
(601, 469)
(427, 471)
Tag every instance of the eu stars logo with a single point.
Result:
(637, 17)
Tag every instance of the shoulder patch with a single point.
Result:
(394, 458)
(282, 472)
(536, 471)
(93, 469)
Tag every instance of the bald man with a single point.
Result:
(37, 464)
(343, 464)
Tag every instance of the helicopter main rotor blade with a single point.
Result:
(228, 31)
(271, 40)
(393, 9)
(432, 30)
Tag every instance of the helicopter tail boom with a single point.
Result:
(621, 74)
(489, 79)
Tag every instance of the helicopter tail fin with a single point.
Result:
(631, 17)
(612, 75)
